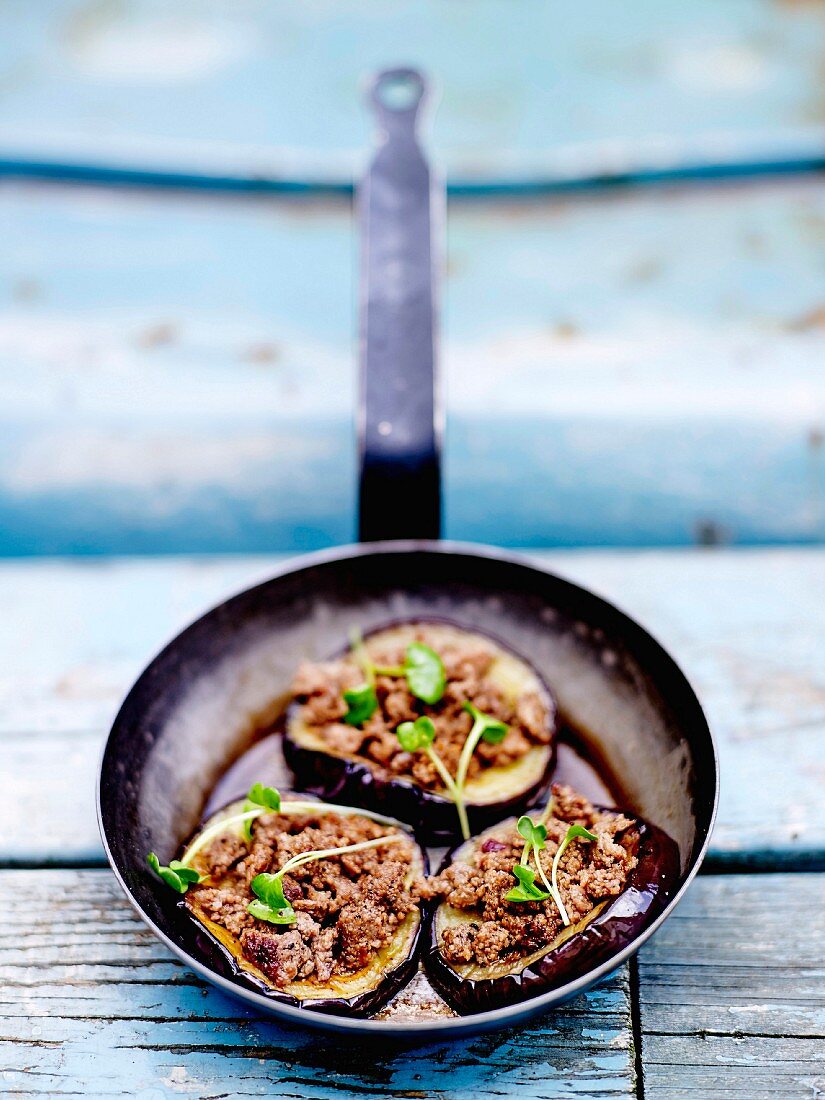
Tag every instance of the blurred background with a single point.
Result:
(634, 302)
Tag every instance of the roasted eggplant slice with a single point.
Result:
(316, 953)
(339, 754)
(477, 963)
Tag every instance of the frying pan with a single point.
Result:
(193, 710)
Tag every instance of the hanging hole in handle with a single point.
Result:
(398, 91)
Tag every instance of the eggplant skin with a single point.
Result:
(222, 958)
(650, 886)
(356, 782)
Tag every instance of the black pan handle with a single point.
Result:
(400, 417)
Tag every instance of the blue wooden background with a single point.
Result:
(628, 366)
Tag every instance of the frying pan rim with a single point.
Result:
(476, 1022)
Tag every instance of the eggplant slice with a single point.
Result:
(358, 994)
(495, 793)
(609, 927)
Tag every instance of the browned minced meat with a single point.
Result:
(348, 907)
(589, 871)
(320, 688)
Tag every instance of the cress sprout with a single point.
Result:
(177, 874)
(420, 734)
(272, 904)
(422, 668)
(535, 837)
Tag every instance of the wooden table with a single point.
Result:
(728, 1000)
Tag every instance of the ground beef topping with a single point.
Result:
(588, 873)
(348, 907)
(468, 661)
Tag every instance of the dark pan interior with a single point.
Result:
(192, 710)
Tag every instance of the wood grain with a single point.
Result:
(732, 991)
(91, 1004)
(747, 626)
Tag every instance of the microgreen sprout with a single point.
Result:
(272, 904)
(265, 798)
(423, 669)
(425, 674)
(486, 728)
(535, 837)
(526, 889)
(573, 833)
(177, 874)
(418, 736)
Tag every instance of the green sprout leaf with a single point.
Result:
(268, 797)
(416, 735)
(488, 728)
(425, 673)
(272, 905)
(270, 889)
(423, 669)
(259, 797)
(534, 834)
(419, 736)
(273, 916)
(526, 889)
(362, 702)
(177, 874)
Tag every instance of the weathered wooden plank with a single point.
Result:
(135, 82)
(147, 408)
(732, 991)
(92, 1004)
(748, 626)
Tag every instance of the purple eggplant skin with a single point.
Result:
(650, 886)
(432, 816)
(222, 960)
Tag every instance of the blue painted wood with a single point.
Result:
(179, 375)
(92, 1003)
(731, 991)
(276, 84)
(747, 626)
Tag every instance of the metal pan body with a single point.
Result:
(192, 711)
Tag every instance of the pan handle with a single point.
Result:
(399, 411)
